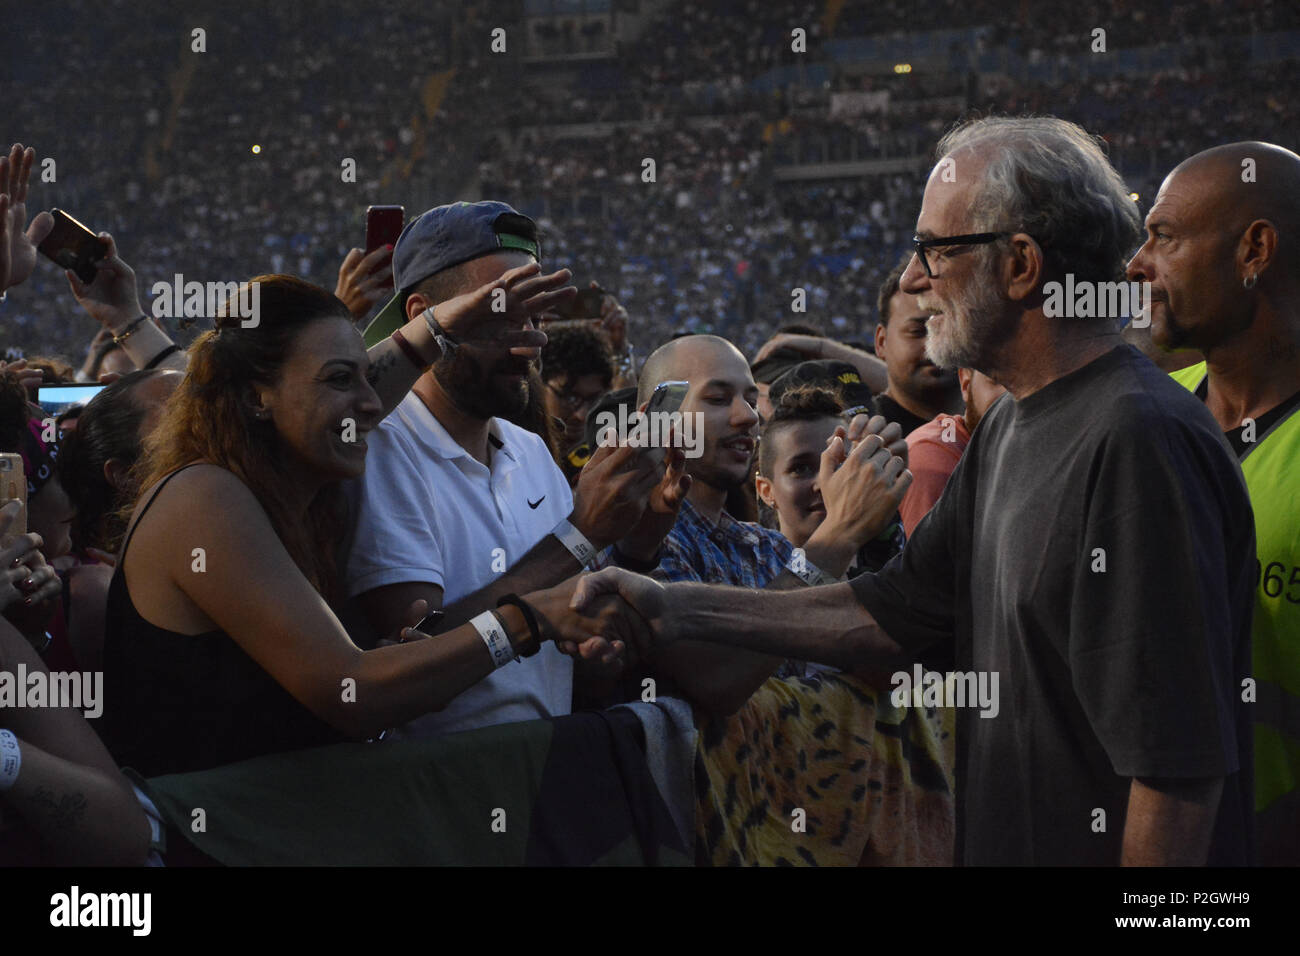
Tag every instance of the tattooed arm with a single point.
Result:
(69, 792)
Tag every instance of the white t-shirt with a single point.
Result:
(428, 512)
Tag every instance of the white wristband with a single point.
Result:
(806, 571)
(575, 541)
(494, 636)
(11, 759)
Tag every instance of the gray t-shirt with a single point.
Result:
(1094, 548)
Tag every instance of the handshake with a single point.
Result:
(616, 616)
(607, 619)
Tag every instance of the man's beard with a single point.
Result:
(721, 477)
(476, 391)
(973, 325)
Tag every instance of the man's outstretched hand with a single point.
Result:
(645, 596)
(18, 244)
(504, 313)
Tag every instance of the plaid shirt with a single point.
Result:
(732, 552)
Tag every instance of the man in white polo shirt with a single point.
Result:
(458, 507)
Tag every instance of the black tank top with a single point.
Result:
(174, 703)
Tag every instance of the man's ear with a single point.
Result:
(1024, 270)
(764, 488)
(964, 376)
(416, 303)
(1257, 248)
(881, 332)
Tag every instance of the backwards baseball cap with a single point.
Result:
(841, 377)
(444, 237)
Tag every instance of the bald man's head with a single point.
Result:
(673, 360)
(1247, 181)
(1221, 246)
(722, 396)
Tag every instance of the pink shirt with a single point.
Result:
(933, 451)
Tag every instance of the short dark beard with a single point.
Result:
(472, 391)
(718, 478)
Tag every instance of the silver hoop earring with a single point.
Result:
(1249, 282)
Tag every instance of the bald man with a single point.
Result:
(706, 544)
(1222, 255)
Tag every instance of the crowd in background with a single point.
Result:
(375, 483)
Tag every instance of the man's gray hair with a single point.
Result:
(1049, 178)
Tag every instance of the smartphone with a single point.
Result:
(668, 397)
(57, 399)
(664, 400)
(383, 226)
(73, 246)
(13, 486)
(585, 305)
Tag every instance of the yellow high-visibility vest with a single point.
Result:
(1270, 465)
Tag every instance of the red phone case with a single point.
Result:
(383, 226)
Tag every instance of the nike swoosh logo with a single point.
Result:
(534, 504)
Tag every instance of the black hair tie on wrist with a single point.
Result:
(153, 362)
(530, 618)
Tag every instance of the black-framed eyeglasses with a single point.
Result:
(970, 239)
(571, 400)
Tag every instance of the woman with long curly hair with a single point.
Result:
(221, 644)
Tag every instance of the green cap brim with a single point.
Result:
(390, 318)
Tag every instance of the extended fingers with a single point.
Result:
(24, 172)
(530, 285)
(867, 448)
(42, 225)
(547, 301)
(519, 273)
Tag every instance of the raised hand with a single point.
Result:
(112, 299)
(642, 542)
(28, 584)
(18, 245)
(365, 279)
(29, 377)
(613, 319)
(811, 346)
(612, 493)
(891, 433)
(861, 490)
(505, 319)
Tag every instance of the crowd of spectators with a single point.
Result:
(718, 242)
